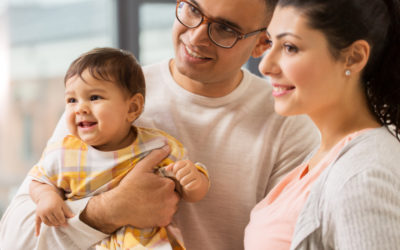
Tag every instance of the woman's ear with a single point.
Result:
(357, 55)
(136, 104)
(261, 46)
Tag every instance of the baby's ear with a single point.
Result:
(136, 104)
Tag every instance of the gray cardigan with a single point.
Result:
(355, 204)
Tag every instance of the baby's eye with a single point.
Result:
(71, 100)
(95, 97)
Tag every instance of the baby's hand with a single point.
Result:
(187, 174)
(52, 211)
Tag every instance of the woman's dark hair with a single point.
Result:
(112, 65)
(375, 21)
(270, 6)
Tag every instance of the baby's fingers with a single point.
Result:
(67, 213)
(50, 220)
(170, 167)
(38, 223)
(59, 218)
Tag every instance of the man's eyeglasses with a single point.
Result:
(219, 33)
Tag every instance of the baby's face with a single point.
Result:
(97, 111)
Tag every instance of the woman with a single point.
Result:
(336, 61)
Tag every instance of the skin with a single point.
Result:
(100, 114)
(107, 212)
(194, 183)
(202, 67)
(307, 79)
(51, 208)
(215, 74)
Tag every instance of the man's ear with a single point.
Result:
(356, 56)
(136, 104)
(261, 46)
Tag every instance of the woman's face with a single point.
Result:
(305, 76)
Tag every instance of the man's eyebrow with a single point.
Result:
(195, 3)
(229, 23)
(220, 20)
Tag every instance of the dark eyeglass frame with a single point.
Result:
(208, 21)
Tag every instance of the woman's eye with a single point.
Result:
(95, 97)
(290, 48)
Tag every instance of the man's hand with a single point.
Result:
(142, 199)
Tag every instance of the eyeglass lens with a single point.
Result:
(219, 33)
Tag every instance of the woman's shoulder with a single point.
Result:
(368, 161)
(374, 148)
(355, 196)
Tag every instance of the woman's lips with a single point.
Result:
(281, 90)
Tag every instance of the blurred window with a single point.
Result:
(39, 39)
(155, 34)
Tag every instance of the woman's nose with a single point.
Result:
(269, 64)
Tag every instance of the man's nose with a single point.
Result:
(199, 36)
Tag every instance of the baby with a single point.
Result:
(104, 95)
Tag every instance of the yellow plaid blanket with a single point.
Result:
(81, 171)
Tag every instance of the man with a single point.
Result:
(222, 114)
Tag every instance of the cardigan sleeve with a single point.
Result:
(365, 213)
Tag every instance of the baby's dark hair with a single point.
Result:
(110, 64)
(375, 21)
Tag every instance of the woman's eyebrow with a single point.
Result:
(287, 34)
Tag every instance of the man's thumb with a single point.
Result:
(148, 163)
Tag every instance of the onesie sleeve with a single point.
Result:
(17, 227)
(45, 170)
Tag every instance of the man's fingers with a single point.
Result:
(172, 208)
(148, 163)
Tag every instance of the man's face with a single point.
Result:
(198, 58)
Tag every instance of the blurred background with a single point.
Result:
(38, 41)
